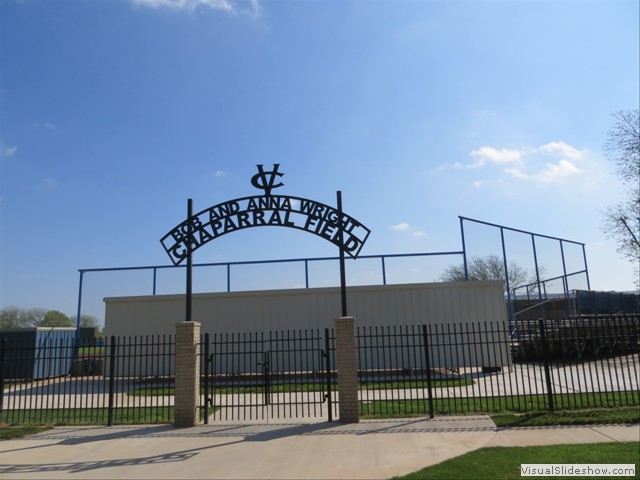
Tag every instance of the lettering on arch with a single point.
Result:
(266, 211)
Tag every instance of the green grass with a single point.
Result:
(619, 415)
(91, 416)
(88, 416)
(152, 392)
(406, 384)
(494, 405)
(240, 389)
(307, 387)
(504, 462)
(7, 433)
(91, 351)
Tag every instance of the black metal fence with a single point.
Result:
(278, 374)
(475, 368)
(109, 381)
(582, 362)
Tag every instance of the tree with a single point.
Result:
(622, 220)
(34, 317)
(89, 321)
(490, 267)
(54, 318)
(16, 317)
(12, 317)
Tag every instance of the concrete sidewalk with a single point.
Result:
(369, 449)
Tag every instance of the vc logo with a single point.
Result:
(267, 180)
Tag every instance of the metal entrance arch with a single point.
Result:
(261, 211)
(269, 375)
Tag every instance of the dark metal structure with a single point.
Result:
(267, 210)
(540, 282)
(327, 222)
(332, 224)
(113, 391)
(571, 364)
(585, 363)
(287, 374)
(32, 349)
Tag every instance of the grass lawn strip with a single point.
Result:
(88, 416)
(504, 462)
(621, 415)
(7, 433)
(306, 387)
(497, 405)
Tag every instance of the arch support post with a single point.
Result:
(347, 367)
(187, 374)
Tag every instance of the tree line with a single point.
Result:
(491, 267)
(621, 221)
(17, 317)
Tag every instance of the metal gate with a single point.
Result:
(258, 376)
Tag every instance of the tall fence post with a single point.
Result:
(207, 400)
(427, 364)
(547, 369)
(187, 374)
(327, 355)
(347, 367)
(3, 346)
(112, 378)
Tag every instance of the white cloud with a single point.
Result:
(562, 149)
(553, 172)
(551, 163)
(400, 227)
(188, 5)
(8, 151)
(191, 5)
(493, 155)
(45, 125)
(219, 173)
(50, 183)
(405, 227)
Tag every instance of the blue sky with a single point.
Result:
(113, 113)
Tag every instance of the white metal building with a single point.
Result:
(460, 303)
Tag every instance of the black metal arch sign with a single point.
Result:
(265, 210)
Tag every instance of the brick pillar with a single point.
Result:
(347, 367)
(187, 374)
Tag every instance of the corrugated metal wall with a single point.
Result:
(300, 309)
(36, 353)
(411, 304)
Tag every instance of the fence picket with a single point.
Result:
(435, 369)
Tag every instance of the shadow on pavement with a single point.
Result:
(235, 433)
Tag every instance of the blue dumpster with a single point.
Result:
(36, 353)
